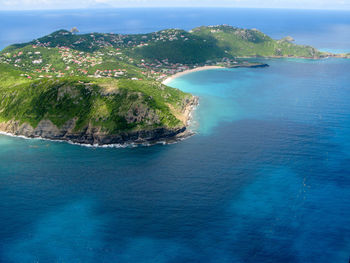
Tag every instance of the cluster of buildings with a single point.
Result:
(109, 73)
(78, 58)
(94, 41)
(103, 62)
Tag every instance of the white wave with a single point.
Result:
(116, 145)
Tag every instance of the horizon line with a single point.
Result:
(167, 7)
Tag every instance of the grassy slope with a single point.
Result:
(103, 102)
(10, 76)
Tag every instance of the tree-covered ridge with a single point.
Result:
(207, 42)
(240, 42)
(150, 56)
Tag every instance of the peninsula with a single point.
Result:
(107, 88)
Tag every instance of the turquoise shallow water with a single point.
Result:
(266, 179)
(336, 51)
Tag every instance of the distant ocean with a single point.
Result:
(265, 179)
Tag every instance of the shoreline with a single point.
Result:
(182, 73)
(131, 144)
(178, 134)
(182, 134)
(113, 145)
(239, 65)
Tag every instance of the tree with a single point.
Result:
(74, 30)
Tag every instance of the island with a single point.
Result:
(106, 89)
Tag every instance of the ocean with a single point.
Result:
(266, 178)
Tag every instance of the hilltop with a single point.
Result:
(106, 88)
(92, 111)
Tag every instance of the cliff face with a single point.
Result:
(96, 135)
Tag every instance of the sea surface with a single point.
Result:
(265, 179)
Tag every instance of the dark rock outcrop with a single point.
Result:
(94, 135)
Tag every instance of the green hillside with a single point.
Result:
(178, 46)
(113, 105)
(251, 42)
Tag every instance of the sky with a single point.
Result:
(74, 4)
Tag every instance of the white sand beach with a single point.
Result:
(169, 79)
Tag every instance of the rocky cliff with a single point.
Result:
(90, 111)
(97, 135)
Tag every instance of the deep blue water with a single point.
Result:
(266, 178)
(320, 28)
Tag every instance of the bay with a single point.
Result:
(265, 179)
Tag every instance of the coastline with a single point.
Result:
(176, 139)
(47, 131)
(179, 74)
(184, 134)
(239, 65)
